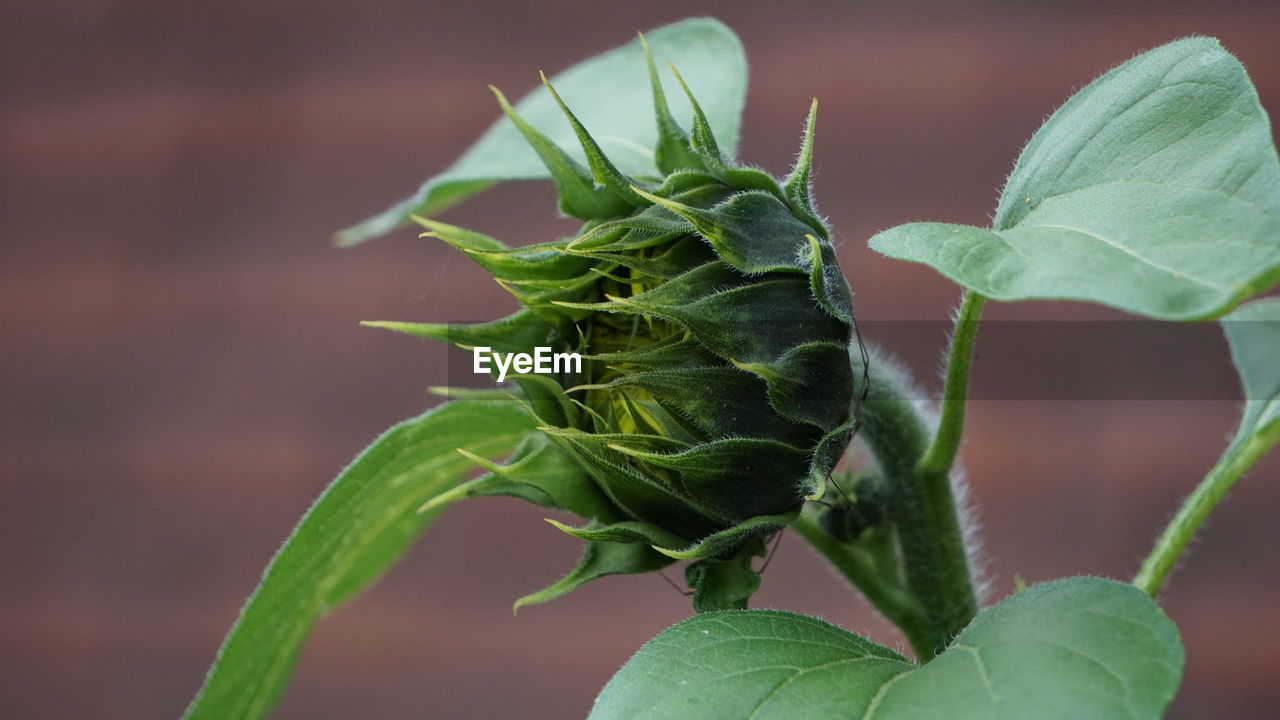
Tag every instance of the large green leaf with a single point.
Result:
(357, 528)
(1253, 332)
(1079, 647)
(610, 95)
(1156, 190)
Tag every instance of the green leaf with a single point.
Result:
(610, 95)
(1079, 647)
(1155, 190)
(353, 533)
(1253, 332)
(756, 664)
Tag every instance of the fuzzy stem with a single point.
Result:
(868, 572)
(921, 508)
(1245, 449)
(941, 455)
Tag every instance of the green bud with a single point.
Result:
(860, 507)
(715, 394)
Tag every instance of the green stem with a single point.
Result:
(871, 574)
(921, 506)
(1245, 450)
(941, 455)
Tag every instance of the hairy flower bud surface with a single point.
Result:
(715, 394)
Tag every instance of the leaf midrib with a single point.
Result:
(316, 606)
(1179, 274)
(804, 671)
(314, 602)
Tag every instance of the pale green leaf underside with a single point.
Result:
(1253, 332)
(357, 528)
(610, 95)
(1155, 190)
(1079, 647)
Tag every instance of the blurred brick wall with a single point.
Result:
(181, 371)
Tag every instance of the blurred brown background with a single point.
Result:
(182, 371)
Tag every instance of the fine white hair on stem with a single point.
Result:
(970, 527)
(966, 512)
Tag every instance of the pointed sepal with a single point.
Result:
(606, 175)
(741, 319)
(545, 468)
(578, 195)
(546, 261)
(598, 560)
(703, 142)
(798, 187)
(547, 402)
(460, 238)
(733, 538)
(830, 288)
(673, 151)
(701, 139)
(624, 532)
(719, 402)
(810, 383)
(647, 228)
(751, 466)
(515, 333)
(826, 455)
(639, 496)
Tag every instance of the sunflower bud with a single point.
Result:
(715, 391)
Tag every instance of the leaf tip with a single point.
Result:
(566, 529)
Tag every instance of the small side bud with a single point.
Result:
(847, 523)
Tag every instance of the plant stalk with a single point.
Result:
(941, 455)
(936, 562)
(921, 507)
(1245, 450)
(870, 573)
